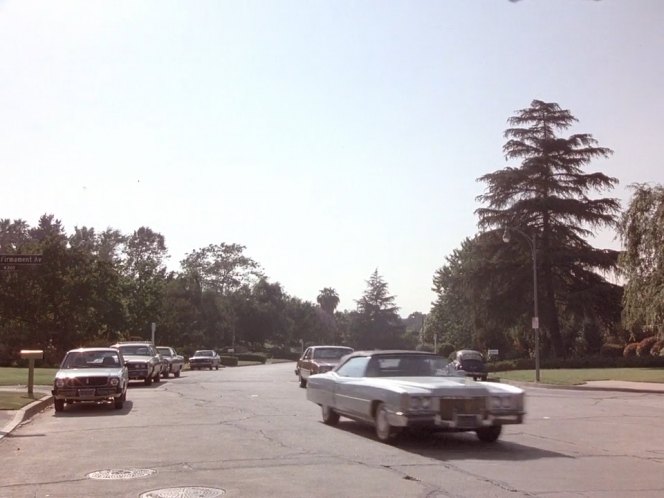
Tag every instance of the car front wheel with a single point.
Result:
(59, 404)
(330, 417)
(148, 380)
(384, 431)
(489, 434)
(303, 382)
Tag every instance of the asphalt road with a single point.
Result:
(250, 432)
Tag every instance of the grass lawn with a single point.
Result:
(10, 400)
(569, 376)
(10, 376)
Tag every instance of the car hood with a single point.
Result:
(431, 386)
(88, 372)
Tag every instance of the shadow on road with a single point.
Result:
(89, 409)
(446, 446)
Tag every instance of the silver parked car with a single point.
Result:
(394, 390)
(92, 375)
(143, 360)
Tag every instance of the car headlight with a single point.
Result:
(114, 381)
(420, 403)
(59, 383)
(503, 402)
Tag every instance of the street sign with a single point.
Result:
(10, 262)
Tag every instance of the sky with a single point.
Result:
(330, 138)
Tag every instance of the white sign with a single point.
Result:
(493, 352)
(535, 322)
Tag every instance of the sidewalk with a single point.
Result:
(10, 419)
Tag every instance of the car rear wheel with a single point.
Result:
(177, 373)
(165, 375)
(489, 434)
(157, 378)
(384, 431)
(330, 417)
(303, 382)
(59, 404)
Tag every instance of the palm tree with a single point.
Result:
(328, 299)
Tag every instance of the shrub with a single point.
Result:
(228, 361)
(630, 349)
(645, 346)
(657, 348)
(260, 357)
(446, 349)
(611, 350)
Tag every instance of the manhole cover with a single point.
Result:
(186, 492)
(116, 474)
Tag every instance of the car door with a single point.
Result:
(349, 393)
(305, 363)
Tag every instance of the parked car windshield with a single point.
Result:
(91, 359)
(164, 351)
(203, 353)
(331, 353)
(135, 350)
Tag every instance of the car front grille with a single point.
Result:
(87, 381)
(451, 407)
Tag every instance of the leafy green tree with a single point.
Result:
(641, 230)
(222, 267)
(376, 323)
(548, 195)
(144, 269)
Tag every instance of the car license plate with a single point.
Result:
(86, 393)
(466, 421)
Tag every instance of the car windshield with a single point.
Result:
(409, 366)
(135, 350)
(331, 353)
(164, 351)
(91, 359)
(203, 353)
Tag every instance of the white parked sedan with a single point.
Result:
(92, 375)
(412, 389)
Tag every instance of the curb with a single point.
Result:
(586, 388)
(26, 413)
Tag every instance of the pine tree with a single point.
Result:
(547, 197)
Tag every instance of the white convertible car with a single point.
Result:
(394, 390)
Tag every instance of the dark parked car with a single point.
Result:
(205, 358)
(472, 363)
(91, 375)
(143, 361)
(173, 362)
(319, 359)
(394, 390)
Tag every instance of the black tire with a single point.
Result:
(119, 402)
(489, 434)
(384, 431)
(157, 378)
(210, 367)
(330, 417)
(177, 373)
(59, 404)
(148, 381)
(217, 367)
(303, 382)
(165, 374)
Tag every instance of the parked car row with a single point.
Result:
(100, 374)
(399, 390)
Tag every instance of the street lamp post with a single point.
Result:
(532, 242)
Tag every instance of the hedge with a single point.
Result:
(587, 362)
